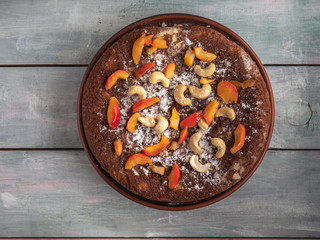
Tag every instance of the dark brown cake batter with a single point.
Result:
(253, 110)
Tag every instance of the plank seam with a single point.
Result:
(86, 65)
(41, 149)
(43, 65)
(230, 238)
(81, 149)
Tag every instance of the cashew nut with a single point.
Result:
(194, 142)
(196, 165)
(206, 72)
(147, 121)
(236, 176)
(226, 112)
(235, 166)
(200, 93)
(162, 124)
(178, 94)
(220, 144)
(139, 91)
(202, 124)
(174, 146)
(156, 77)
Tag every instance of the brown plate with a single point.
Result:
(171, 19)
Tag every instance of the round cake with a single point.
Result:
(176, 114)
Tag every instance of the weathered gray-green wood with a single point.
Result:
(297, 107)
(161, 238)
(70, 32)
(38, 107)
(59, 194)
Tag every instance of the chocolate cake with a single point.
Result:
(226, 119)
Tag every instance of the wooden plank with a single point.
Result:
(59, 194)
(38, 107)
(71, 32)
(297, 107)
(167, 238)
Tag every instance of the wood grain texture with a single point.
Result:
(59, 194)
(38, 107)
(70, 32)
(167, 238)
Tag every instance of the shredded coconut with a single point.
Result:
(145, 171)
(135, 172)
(145, 136)
(188, 42)
(246, 60)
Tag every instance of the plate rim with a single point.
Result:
(142, 23)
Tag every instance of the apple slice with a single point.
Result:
(175, 119)
(210, 111)
(144, 103)
(237, 84)
(189, 57)
(191, 120)
(239, 138)
(132, 122)
(157, 169)
(227, 92)
(137, 48)
(143, 69)
(169, 70)
(153, 150)
(117, 147)
(159, 42)
(203, 55)
(113, 78)
(137, 159)
(183, 135)
(248, 83)
(206, 80)
(148, 40)
(152, 50)
(174, 176)
(113, 113)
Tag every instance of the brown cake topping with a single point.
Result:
(176, 114)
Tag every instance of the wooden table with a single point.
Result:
(47, 184)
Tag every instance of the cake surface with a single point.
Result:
(252, 110)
